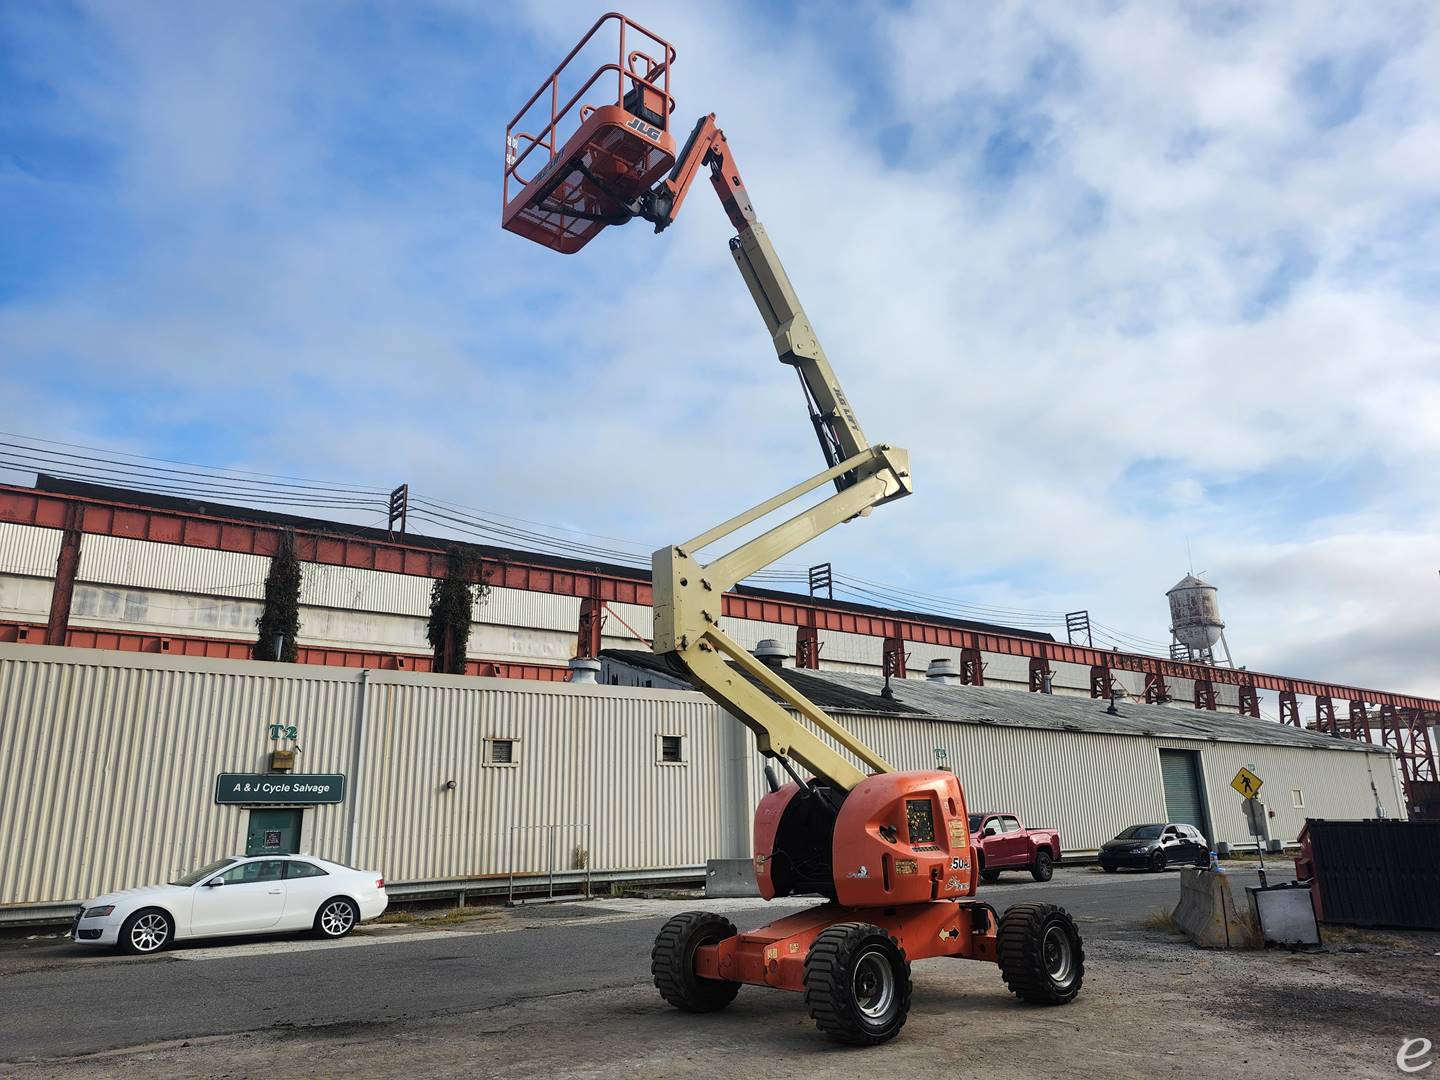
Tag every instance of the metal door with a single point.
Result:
(1184, 797)
(273, 832)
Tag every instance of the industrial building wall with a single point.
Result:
(111, 760)
(165, 589)
(1090, 786)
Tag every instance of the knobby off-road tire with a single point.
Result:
(672, 962)
(857, 984)
(1044, 868)
(1041, 957)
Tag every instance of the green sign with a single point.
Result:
(288, 789)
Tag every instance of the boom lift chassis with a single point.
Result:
(889, 851)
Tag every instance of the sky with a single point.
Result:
(1142, 287)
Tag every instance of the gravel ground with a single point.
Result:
(1152, 1006)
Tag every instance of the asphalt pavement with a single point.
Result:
(59, 999)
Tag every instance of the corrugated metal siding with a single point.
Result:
(108, 779)
(1334, 784)
(26, 549)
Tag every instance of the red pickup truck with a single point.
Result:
(1002, 842)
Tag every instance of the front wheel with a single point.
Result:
(1157, 861)
(989, 877)
(857, 984)
(336, 917)
(1042, 959)
(1044, 868)
(672, 962)
(146, 932)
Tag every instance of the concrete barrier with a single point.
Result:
(1207, 913)
(730, 877)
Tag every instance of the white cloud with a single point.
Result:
(1185, 299)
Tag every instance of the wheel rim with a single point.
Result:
(336, 918)
(874, 985)
(1059, 955)
(149, 932)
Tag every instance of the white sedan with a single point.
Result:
(258, 894)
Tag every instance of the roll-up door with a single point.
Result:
(1184, 798)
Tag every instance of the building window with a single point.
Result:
(671, 750)
(1297, 798)
(502, 751)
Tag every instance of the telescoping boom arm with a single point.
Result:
(688, 595)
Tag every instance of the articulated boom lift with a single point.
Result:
(890, 851)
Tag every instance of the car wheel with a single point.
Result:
(857, 984)
(1044, 868)
(989, 876)
(336, 917)
(672, 962)
(1041, 956)
(147, 931)
(1108, 869)
(1202, 859)
(1157, 861)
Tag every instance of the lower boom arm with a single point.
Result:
(688, 596)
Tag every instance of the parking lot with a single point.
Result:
(565, 991)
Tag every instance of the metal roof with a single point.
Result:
(850, 692)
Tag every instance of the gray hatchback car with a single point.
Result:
(1154, 847)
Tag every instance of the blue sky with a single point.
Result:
(1120, 276)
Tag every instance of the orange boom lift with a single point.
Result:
(888, 851)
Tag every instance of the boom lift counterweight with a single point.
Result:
(890, 851)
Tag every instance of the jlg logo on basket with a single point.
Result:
(651, 133)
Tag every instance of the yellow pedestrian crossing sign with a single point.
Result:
(1247, 783)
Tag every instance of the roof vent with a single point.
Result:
(943, 672)
(770, 653)
(583, 671)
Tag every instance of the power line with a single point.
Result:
(168, 476)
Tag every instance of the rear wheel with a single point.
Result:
(1202, 859)
(857, 984)
(1108, 869)
(146, 932)
(336, 917)
(1042, 959)
(672, 962)
(1044, 868)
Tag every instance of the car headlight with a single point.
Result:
(98, 912)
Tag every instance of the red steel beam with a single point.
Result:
(63, 592)
(231, 649)
(27, 506)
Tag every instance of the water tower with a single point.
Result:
(1195, 623)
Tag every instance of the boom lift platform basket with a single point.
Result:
(600, 149)
(889, 851)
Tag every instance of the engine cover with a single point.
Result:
(897, 838)
(903, 838)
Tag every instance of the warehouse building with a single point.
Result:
(137, 594)
(123, 769)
